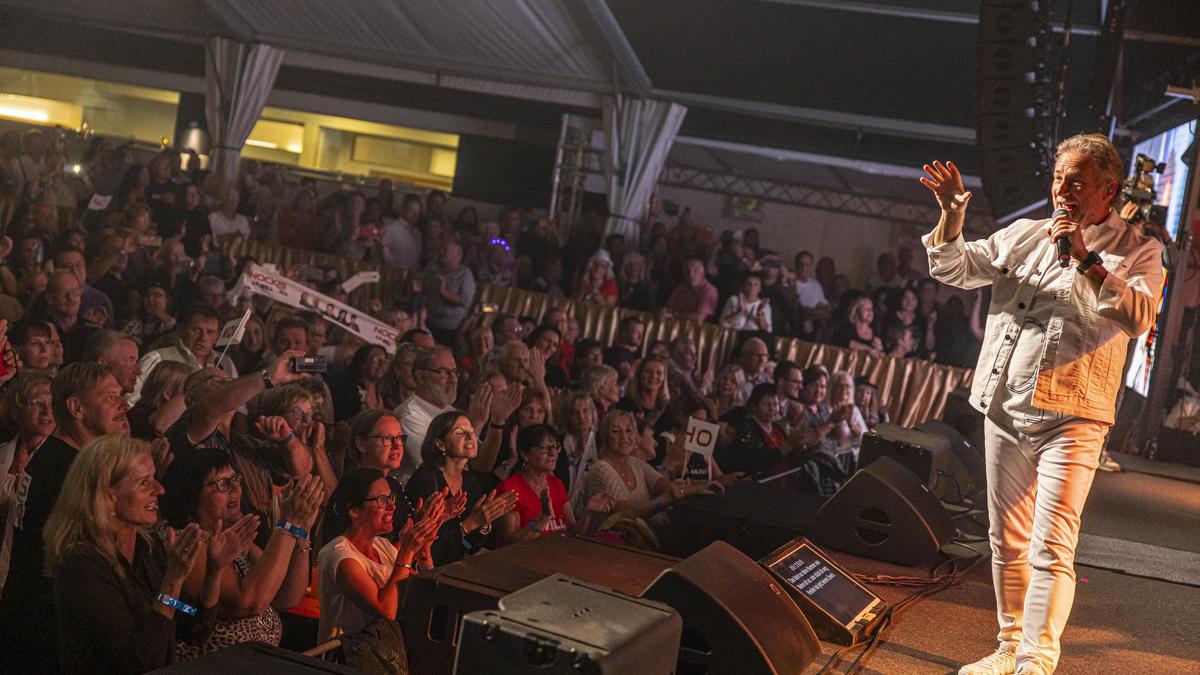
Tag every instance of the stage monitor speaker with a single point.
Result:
(927, 455)
(885, 512)
(736, 617)
(971, 473)
(755, 518)
(562, 625)
(965, 418)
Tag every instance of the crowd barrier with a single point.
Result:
(915, 390)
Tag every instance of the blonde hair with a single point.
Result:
(84, 512)
(1097, 148)
(634, 388)
(166, 380)
(857, 307)
(606, 425)
(566, 404)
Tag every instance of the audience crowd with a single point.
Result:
(163, 497)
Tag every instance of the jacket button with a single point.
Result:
(995, 371)
(1008, 337)
(1004, 270)
(1020, 305)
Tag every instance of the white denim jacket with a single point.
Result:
(1081, 366)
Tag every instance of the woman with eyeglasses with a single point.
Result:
(360, 572)
(27, 404)
(542, 504)
(450, 444)
(203, 487)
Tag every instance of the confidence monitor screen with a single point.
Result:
(808, 572)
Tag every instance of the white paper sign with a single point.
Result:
(701, 437)
(281, 289)
(99, 202)
(368, 277)
(233, 330)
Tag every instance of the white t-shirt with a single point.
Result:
(401, 244)
(810, 294)
(415, 414)
(341, 614)
(222, 226)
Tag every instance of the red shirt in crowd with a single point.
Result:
(529, 503)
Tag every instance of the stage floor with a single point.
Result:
(1120, 623)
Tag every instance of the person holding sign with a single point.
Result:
(636, 488)
(673, 458)
(542, 504)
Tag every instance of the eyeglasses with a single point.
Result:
(547, 450)
(382, 501)
(389, 439)
(226, 484)
(302, 415)
(442, 372)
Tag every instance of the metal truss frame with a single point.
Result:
(814, 197)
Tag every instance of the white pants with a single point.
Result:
(1038, 478)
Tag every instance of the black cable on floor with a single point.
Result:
(935, 582)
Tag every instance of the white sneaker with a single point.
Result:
(1003, 661)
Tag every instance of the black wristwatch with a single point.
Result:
(1092, 258)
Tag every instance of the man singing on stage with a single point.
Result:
(1047, 376)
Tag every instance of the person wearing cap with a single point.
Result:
(598, 285)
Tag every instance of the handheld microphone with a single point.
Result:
(1063, 244)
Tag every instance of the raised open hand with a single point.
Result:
(302, 500)
(226, 543)
(182, 546)
(946, 184)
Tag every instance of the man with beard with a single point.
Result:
(436, 375)
(87, 403)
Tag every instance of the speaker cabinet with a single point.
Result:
(928, 455)
(1014, 101)
(736, 617)
(885, 512)
(562, 625)
(754, 518)
(968, 470)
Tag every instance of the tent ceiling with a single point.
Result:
(877, 80)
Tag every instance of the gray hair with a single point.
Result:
(1098, 149)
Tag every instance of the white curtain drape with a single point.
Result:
(638, 134)
(237, 80)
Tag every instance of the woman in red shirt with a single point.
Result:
(542, 505)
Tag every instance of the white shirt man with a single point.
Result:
(222, 225)
(401, 244)
(1047, 377)
(437, 384)
(809, 293)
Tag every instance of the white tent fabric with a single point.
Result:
(638, 134)
(237, 78)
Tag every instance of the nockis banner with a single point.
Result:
(260, 280)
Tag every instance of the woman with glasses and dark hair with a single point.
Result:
(542, 504)
(203, 487)
(359, 570)
(450, 444)
(377, 440)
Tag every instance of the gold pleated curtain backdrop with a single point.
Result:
(915, 390)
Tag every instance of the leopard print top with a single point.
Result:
(266, 627)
